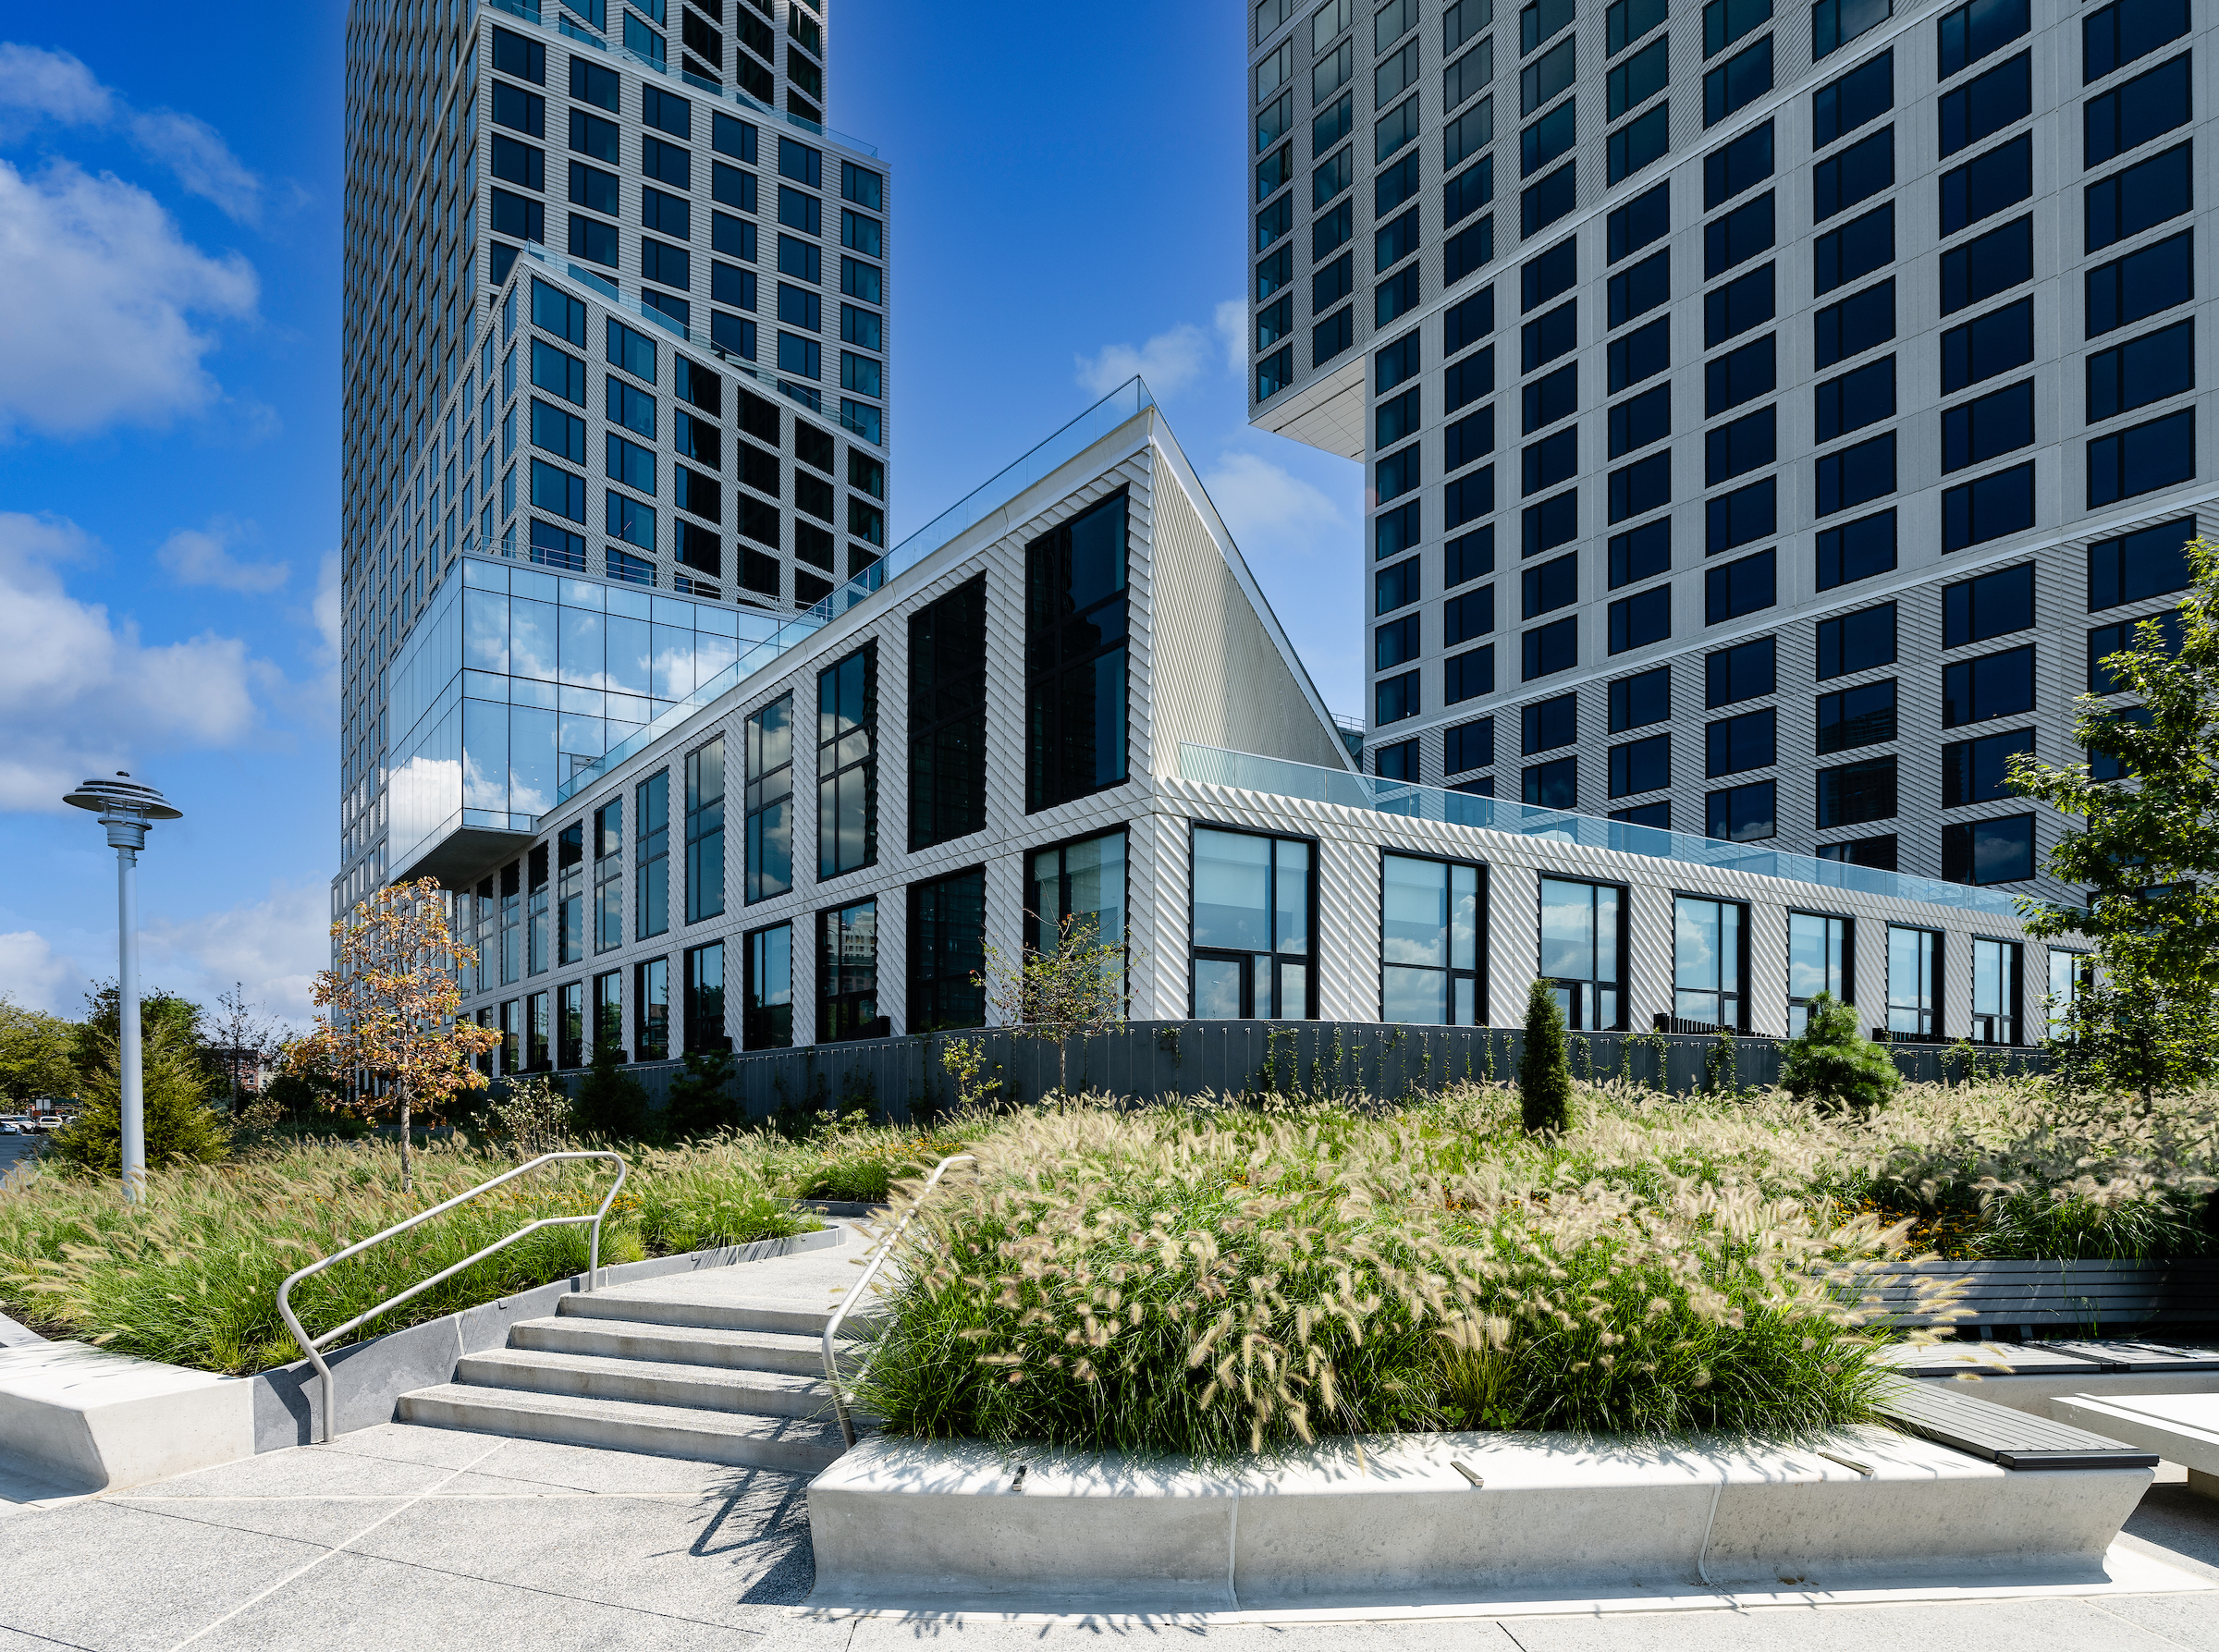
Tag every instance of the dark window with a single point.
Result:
(2139, 565)
(2104, 763)
(948, 716)
(1857, 642)
(2142, 371)
(2131, 200)
(1549, 460)
(1856, 550)
(1394, 698)
(1744, 302)
(1641, 765)
(1462, 500)
(1641, 554)
(2144, 459)
(1834, 23)
(1640, 288)
(520, 55)
(1988, 345)
(1738, 235)
(847, 764)
(1397, 762)
(1642, 487)
(2124, 290)
(1741, 164)
(1969, 34)
(1853, 325)
(651, 838)
(1395, 643)
(1742, 813)
(1640, 420)
(847, 992)
(1737, 82)
(1642, 353)
(1397, 473)
(1865, 94)
(1988, 508)
(1467, 556)
(1742, 587)
(1467, 439)
(704, 838)
(1731, 745)
(1639, 143)
(1850, 477)
(1464, 382)
(1548, 524)
(1989, 183)
(1876, 852)
(1548, 200)
(1740, 445)
(1548, 649)
(2118, 34)
(520, 111)
(1549, 724)
(1394, 531)
(1855, 400)
(1469, 675)
(1988, 264)
(521, 164)
(1725, 22)
(1656, 816)
(1647, 217)
(1995, 604)
(1541, 80)
(1076, 628)
(1468, 322)
(1332, 336)
(1864, 169)
(1637, 621)
(1995, 685)
(1858, 716)
(1988, 426)
(2107, 640)
(1740, 376)
(1974, 771)
(1987, 102)
(518, 216)
(1468, 745)
(1989, 851)
(1855, 250)
(1463, 618)
(1553, 785)
(1853, 793)
(947, 952)
(1467, 192)
(1553, 135)
(1742, 517)
(2135, 111)
(1627, 21)
(1395, 587)
(1547, 399)
(1637, 700)
(1556, 333)
(1392, 363)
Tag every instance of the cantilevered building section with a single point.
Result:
(1772, 413)
(709, 459)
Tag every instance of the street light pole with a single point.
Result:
(128, 808)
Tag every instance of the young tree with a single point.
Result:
(392, 1004)
(1833, 1065)
(2148, 849)
(243, 1041)
(1544, 1065)
(1075, 989)
(36, 1054)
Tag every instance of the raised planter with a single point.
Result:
(92, 1420)
(906, 1524)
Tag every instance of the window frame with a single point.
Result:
(1476, 974)
(880, 1025)
(913, 952)
(1930, 1016)
(1847, 968)
(2008, 1016)
(1246, 960)
(750, 943)
(1621, 987)
(1740, 996)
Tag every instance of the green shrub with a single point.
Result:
(1544, 1072)
(1831, 1064)
(180, 1126)
(610, 1104)
(702, 1098)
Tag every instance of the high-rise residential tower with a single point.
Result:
(1772, 413)
(711, 458)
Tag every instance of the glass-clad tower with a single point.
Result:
(1772, 413)
(711, 461)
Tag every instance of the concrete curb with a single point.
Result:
(905, 1524)
(16, 1335)
(92, 1420)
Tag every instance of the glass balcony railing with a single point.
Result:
(1277, 778)
(1121, 405)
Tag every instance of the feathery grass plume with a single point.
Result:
(1544, 1074)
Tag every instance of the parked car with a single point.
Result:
(8, 1127)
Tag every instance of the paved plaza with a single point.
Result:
(426, 1540)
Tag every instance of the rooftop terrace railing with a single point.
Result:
(1279, 778)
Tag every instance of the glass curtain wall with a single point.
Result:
(1252, 928)
(1083, 881)
(947, 952)
(769, 802)
(608, 875)
(948, 716)
(1818, 962)
(1583, 944)
(651, 837)
(1430, 941)
(1914, 983)
(569, 895)
(1709, 940)
(847, 764)
(1075, 622)
(705, 832)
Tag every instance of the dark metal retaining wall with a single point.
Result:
(1153, 1059)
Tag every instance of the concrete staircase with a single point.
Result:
(719, 1367)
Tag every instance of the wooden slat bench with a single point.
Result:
(2021, 1300)
(1996, 1434)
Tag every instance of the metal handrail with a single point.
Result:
(870, 1269)
(313, 1348)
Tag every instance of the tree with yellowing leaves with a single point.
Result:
(391, 1009)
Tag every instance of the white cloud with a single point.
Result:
(79, 694)
(273, 947)
(1271, 511)
(96, 287)
(327, 610)
(202, 557)
(1169, 361)
(36, 976)
(40, 85)
(1231, 320)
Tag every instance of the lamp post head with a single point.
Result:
(126, 807)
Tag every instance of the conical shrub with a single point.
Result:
(1544, 1068)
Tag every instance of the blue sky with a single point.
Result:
(1069, 209)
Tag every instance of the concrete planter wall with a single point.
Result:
(1151, 1061)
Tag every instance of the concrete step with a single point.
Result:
(672, 1344)
(646, 1382)
(792, 1445)
(705, 1315)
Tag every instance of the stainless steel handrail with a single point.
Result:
(313, 1349)
(870, 1270)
